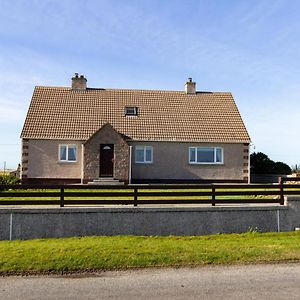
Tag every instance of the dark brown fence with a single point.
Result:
(288, 179)
(148, 194)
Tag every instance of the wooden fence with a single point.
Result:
(148, 194)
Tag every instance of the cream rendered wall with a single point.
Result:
(170, 161)
(43, 160)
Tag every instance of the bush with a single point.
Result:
(262, 164)
(282, 168)
(9, 179)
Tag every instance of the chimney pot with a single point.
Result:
(190, 86)
(79, 83)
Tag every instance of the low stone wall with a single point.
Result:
(66, 222)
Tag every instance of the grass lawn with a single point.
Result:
(122, 252)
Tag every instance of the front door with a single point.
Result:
(106, 160)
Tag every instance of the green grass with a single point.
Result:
(123, 252)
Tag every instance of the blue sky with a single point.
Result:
(250, 48)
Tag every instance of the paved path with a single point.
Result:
(233, 282)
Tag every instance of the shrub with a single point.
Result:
(262, 164)
(9, 179)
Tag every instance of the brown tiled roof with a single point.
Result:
(63, 113)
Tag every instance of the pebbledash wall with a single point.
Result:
(40, 161)
(43, 160)
(17, 223)
(171, 162)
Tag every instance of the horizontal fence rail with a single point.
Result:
(148, 194)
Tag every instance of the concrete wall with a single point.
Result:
(171, 161)
(43, 160)
(265, 178)
(68, 221)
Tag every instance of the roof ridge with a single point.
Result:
(131, 90)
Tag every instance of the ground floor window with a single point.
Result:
(67, 153)
(144, 154)
(206, 155)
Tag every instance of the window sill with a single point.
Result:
(143, 163)
(205, 164)
(67, 162)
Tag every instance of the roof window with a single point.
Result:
(131, 111)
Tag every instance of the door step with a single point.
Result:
(106, 181)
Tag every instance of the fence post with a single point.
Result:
(62, 196)
(213, 195)
(281, 181)
(135, 197)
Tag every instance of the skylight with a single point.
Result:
(131, 111)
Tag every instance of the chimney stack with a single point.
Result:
(190, 86)
(78, 82)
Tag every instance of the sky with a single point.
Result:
(250, 48)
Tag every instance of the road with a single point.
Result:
(278, 281)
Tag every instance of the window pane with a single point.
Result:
(72, 153)
(218, 155)
(63, 152)
(148, 154)
(132, 111)
(139, 154)
(192, 154)
(205, 155)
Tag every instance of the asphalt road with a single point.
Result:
(281, 281)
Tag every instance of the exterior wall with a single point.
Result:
(24, 159)
(246, 165)
(170, 161)
(43, 160)
(106, 135)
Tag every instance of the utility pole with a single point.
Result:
(4, 167)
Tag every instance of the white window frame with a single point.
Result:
(144, 148)
(67, 153)
(207, 163)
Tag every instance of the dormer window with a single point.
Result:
(131, 111)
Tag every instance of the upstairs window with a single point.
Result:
(131, 111)
(206, 155)
(67, 153)
(144, 154)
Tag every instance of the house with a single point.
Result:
(79, 134)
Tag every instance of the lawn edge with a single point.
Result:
(96, 272)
